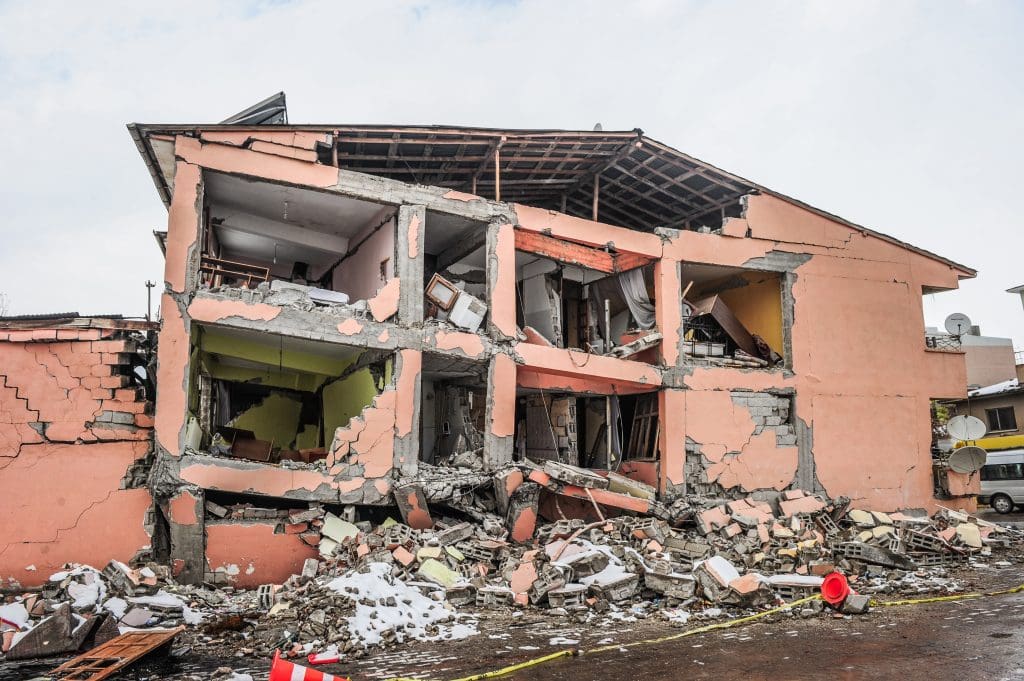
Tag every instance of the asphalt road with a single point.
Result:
(967, 641)
(1014, 519)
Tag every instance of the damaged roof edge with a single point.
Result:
(141, 139)
(140, 132)
(966, 272)
(73, 320)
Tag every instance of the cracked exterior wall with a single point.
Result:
(74, 439)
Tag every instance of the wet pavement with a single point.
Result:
(1015, 519)
(962, 640)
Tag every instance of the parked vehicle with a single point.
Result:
(1002, 480)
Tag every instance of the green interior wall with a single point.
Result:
(346, 398)
(275, 419)
(308, 437)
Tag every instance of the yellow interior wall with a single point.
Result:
(308, 438)
(346, 398)
(759, 306)
(275, 419)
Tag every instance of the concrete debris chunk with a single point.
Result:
(969, 534)
(435, 571)
(856, 604)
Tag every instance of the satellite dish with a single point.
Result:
(958, 324)
(966, 428)
(967, 459)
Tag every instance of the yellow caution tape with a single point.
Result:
(711, 627)
(956, 597)
(505, 670)
(706, 628)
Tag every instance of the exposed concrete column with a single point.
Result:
(672, 442)
(408, 367)
(667, 311)
(184, 217)
(501, 279)
(181, 272)
(185, 513)
(409, 256)
(500, 412)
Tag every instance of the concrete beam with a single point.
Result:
(235, 160)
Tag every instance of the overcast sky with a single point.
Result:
(905, 117)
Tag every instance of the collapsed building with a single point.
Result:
(562, 324)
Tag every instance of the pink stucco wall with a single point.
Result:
(359, 275)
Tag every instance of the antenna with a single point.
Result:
(966, 428)
(958, 324)
(967, 459)
(149, 300)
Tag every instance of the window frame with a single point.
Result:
(996, 424)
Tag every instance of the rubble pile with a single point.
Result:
(81, 607)
(384, 584)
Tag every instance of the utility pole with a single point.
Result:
(149, 300)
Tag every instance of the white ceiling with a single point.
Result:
(262, 222)
(320, 211)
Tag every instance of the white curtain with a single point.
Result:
(634, 290)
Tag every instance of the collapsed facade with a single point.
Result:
(369, 316)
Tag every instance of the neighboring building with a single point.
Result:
(731, 339)
(1019, 355)
(76, 432)
(990, 360)
(1001, 408)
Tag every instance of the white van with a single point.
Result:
(1002, 480)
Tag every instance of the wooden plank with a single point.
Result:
(108, 659)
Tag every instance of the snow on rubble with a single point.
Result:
(387, 604)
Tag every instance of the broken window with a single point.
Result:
(296, 243)
(573, 428)
(733, 317)
(568, 306)
(272, 399)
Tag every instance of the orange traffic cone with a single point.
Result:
(283, 670)
(835, 589)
